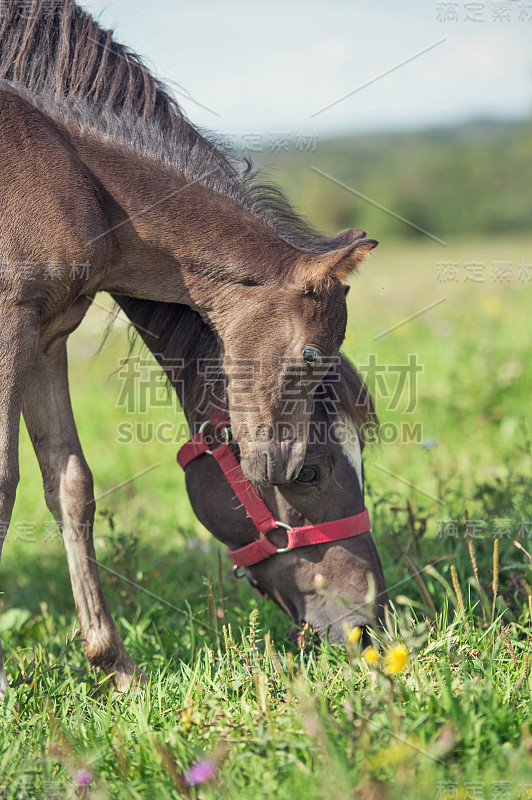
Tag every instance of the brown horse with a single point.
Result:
(107, 187)
(330, 485)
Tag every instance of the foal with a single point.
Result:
(107, 187)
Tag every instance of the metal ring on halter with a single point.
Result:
(286, 528)
(227, 435)
(238, 574)
(283, 525)
(201, 429)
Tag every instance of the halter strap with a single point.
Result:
(262, 548)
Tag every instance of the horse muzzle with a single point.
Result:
(274, 463)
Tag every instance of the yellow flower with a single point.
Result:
(370, 655)
(353, 635)
(396, 659)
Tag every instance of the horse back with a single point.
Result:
(53, 220)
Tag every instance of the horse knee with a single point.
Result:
(70, 491)
(77, 486)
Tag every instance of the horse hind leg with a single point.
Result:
(19, 332)
(70, 497)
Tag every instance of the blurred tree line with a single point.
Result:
(473, 179)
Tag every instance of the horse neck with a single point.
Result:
(178, 224)
(179, 340)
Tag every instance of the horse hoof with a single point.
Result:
(129, 679)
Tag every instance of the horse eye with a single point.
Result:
(311, 356)
(308, 476)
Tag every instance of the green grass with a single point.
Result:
(226, 680)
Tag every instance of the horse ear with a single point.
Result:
(347, 236)
(319, 270)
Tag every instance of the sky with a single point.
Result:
(332, 67)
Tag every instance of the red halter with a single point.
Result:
(261, 516)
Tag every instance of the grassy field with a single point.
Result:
(227, 683)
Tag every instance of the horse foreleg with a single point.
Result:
(19, 331)
(69, 495)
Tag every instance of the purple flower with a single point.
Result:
(428, 444)
(200, 773)
(83, 777)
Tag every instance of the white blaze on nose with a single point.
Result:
(350, 442)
